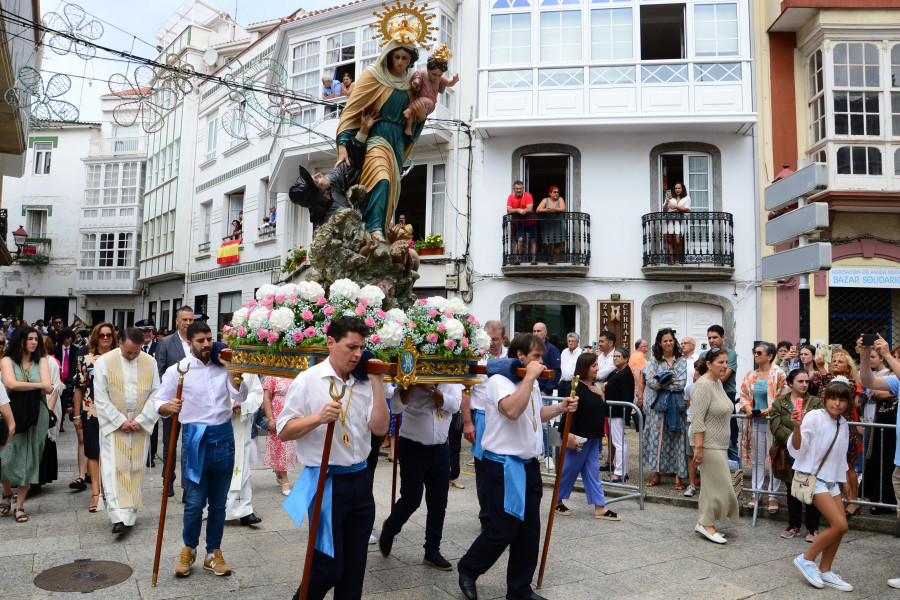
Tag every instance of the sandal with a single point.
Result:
(93, 507)
(21, 518)
(78, 484)
(773, 507)
(653, 482)
(679, 487)
(5, 505)
(849, 514)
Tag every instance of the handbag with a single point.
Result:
(53, 418)
(803, 486)
(779, 457)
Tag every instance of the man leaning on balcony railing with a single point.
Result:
(520, 203)
(677, 203)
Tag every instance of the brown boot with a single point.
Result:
(216, 564)
(185, 560)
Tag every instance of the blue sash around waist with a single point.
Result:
(477, 450)
(299, 502)
(195, 438)
(513, 482)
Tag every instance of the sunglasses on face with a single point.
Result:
(104, 335)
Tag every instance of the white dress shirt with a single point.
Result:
(185, 344)
(420, 416)
(308, 394)
(567, 360)
(208, 394)
(689, 383)
(817, 430)
(109, 416)
(522, 437)
(479, 392)
(605, 365)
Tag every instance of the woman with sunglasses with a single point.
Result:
(103, 339)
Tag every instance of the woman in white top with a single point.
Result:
(678, 203)
(819, 446)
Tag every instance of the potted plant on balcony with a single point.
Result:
(430, 246)
(294, 260)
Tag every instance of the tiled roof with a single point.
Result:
(130, 92)
(319, 12)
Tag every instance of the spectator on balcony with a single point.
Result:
(266, 225)
(519, 204)
(330, 88)
(237, 229)
(554, 234)
(676, 203)
(347, 85)
(273, 215)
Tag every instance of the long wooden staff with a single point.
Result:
(396, 444)
(167, 481)
(559, 468)
(317, 503)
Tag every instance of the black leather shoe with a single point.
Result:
(467, 585)
(385, 542)
(604, 467)
(250, 519)
(437, 561)
(172, 494)
(119, 527)
(529, 596)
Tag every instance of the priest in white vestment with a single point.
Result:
(239, 504)
(124, 380)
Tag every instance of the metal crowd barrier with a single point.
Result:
(554, 440)
(784, 493)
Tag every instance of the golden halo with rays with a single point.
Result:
(405, 24)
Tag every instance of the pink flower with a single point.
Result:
(380, 314)
(280, 299)
(310, 332)
(226, 328)
(448, 315)
(450, 344)
(326, 326)
(360, 310)
(412, 244)
(441, 327)
(273, 337)
(464, 342)
(298, 336)
(253, 303)
(481, 353)
(370, 321)
(376, 339)
(321, 301)
(293, 300)
(269, 315)
(471, 319)
(307, 315)
(270, 297)
(412, 324)
(262, 333)
(433, 312)
(363, 302)
(432, 338)
(423, 301)
(267, 302)
(329, 310)
(241, 332)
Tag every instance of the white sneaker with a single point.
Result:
(894, 583)
(833, 580)
(372, 539)
(690, 491)
(810, 571)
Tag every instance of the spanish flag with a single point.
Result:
(229, 252)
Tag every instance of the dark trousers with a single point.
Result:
(733, 453)
(455, 441)
(372, 459)
(166, 424)
(795, 511)
(505, 530)
(154, 437)
(481, 491)
(425, 467)
(352, 517)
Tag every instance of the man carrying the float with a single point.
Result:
(472, 410)
(424, 462)
(512, 443)
(208, 443)
(326, 393)
(124, 380)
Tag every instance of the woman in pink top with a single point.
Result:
(427, 84)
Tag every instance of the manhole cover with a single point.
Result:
(83, 575)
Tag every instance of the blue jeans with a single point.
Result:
(218, 466)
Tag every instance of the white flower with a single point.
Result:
(266, 291)
(455, 329)
(371, 294)
(440, 303)
(281, 319)
(239, 318)
(396, 314)
(482, 340)
(391, 334)
(287, 290)
(457, 307)
(343, 288)
(257, 317)
(310, 290)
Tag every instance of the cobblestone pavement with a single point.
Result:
(652, 553)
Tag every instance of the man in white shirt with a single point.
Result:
(209, 394)
(125, 382)
(567, 359)
(688, 347)
(513, 440)
(606, 345)
(424, 462)
(360, 410)
(472, 410)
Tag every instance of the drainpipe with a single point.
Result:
(756, 192)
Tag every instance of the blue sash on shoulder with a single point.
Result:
(477, 450)
(194, 440)
(513, 482)
(299, 502)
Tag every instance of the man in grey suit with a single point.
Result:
(170, 350)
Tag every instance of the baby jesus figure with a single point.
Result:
(427, 84)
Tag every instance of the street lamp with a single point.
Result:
(19, 237)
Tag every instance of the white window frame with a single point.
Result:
(212, 136)
(721, 48)
(106, 250)
(206, 211)
(305, 68)
(686, 170)
(36, 216)
(235, 205)
(504, 23)
(43, 151)
(611, 27)
(329, 51)
(125, 250)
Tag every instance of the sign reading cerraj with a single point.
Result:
(872, 278)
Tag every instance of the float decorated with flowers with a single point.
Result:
(284, 330)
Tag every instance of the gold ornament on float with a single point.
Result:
(442, 53)
(405, 24)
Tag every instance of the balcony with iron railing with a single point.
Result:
(118, 146)
(692, 244)
(547, 244)
(36, 251)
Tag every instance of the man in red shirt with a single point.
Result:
(521, 203)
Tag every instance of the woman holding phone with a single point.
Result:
(676, 203)
(781, 426)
